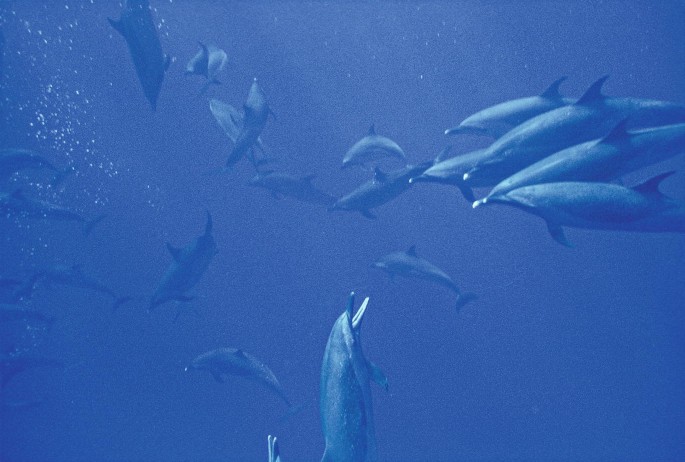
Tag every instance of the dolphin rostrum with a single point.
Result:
(496, 120)
(208, 62)
(231, 361)
(345, 394)
(605, 159)
(284, 185)
(409, 264)
(139, 31)
(372, 148)
(274, 453)
(591, 117)
(383, 188)
(188, 266)
(602, 206)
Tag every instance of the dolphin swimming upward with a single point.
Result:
(345, 394)
(372, 148)
(188, 266)
(208, 62)
(602, 206)
(497, 120)
(231, 361)
(409, 264)
(139, 31)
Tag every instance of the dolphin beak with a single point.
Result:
(357, 319)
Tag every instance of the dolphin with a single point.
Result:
(409, 264)
(188, 266)
(450, 171)
(274, 453)
(604, 159)
(139, 31)
(282, 185)
(231, 361)
(372, 148)
(208, 62)
(345, 394)
(591, 117)
(230, 120)
(14, 364)
(603, 206)
(383, 188)
(256, 112)
(74, 276)
(16, 204)
(16, 160)
(496, 120)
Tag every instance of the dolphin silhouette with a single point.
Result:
(345, 394)
(139, 31)
(371, 148)
(284, 185)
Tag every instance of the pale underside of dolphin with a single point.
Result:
(373, 148)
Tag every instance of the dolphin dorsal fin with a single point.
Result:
(444, 154)
(650, 188)
(412, 251)
(208, 226)
(552, 92)
(174, 251)
(379, 176)
(618, 133)
(372, 130)
(594, 93)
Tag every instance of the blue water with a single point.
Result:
(568, 354)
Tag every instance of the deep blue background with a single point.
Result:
(572, 354)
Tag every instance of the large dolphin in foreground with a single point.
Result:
(409, 264)
(284, 185)
(383, 188)
(231, 361)
(208, 62)
(591, 117)
(605, 159)
(345, 395)
(497, 120)
(139, 31)
(372, 148)
(602, 206)
(188, 266)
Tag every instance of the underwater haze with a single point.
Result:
(566, 354)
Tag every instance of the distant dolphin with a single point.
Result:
(599, 206)
(383, 188)
(230, 120)
(208, 62)
(372, 148)
(284, 185)
(231, 361)
(139, 31)
(14, 364)
(74, 276)
(15, 160)
(592, 116)
(345, 394)
(450, 171)
(16, 204)
(188, 266)
(409, 264)
(496, 120)
(605, 159)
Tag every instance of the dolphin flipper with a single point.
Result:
(463, 299)
(558, 234)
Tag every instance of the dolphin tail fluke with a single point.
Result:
(558, 235)
(120, 301)
(464, 298)
(89, 224)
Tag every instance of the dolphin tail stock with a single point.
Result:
(89, 224)
(464, 298)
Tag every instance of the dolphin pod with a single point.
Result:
(345, 393)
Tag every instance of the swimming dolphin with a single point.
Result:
(256, 112)
(450, 171)
(591, 117)
(231, 361)
(74, 276)
(372, 148)
(496, 120)
(230, 120)
(605, 159)
(188, 266)
(274, 453)
(602, 206)
(408, 264)
(15, 160)
(16, 204)
(383, 188)
(139, 31)
(14, 364)
(345, 394)
(208, 62)
(284, 185)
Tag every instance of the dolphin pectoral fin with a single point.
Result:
(377, 375)
(217, 375)
(467, 192)
(368, 214)
(558, 234)
(117, 26)
(174, 251)
(463, 299)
